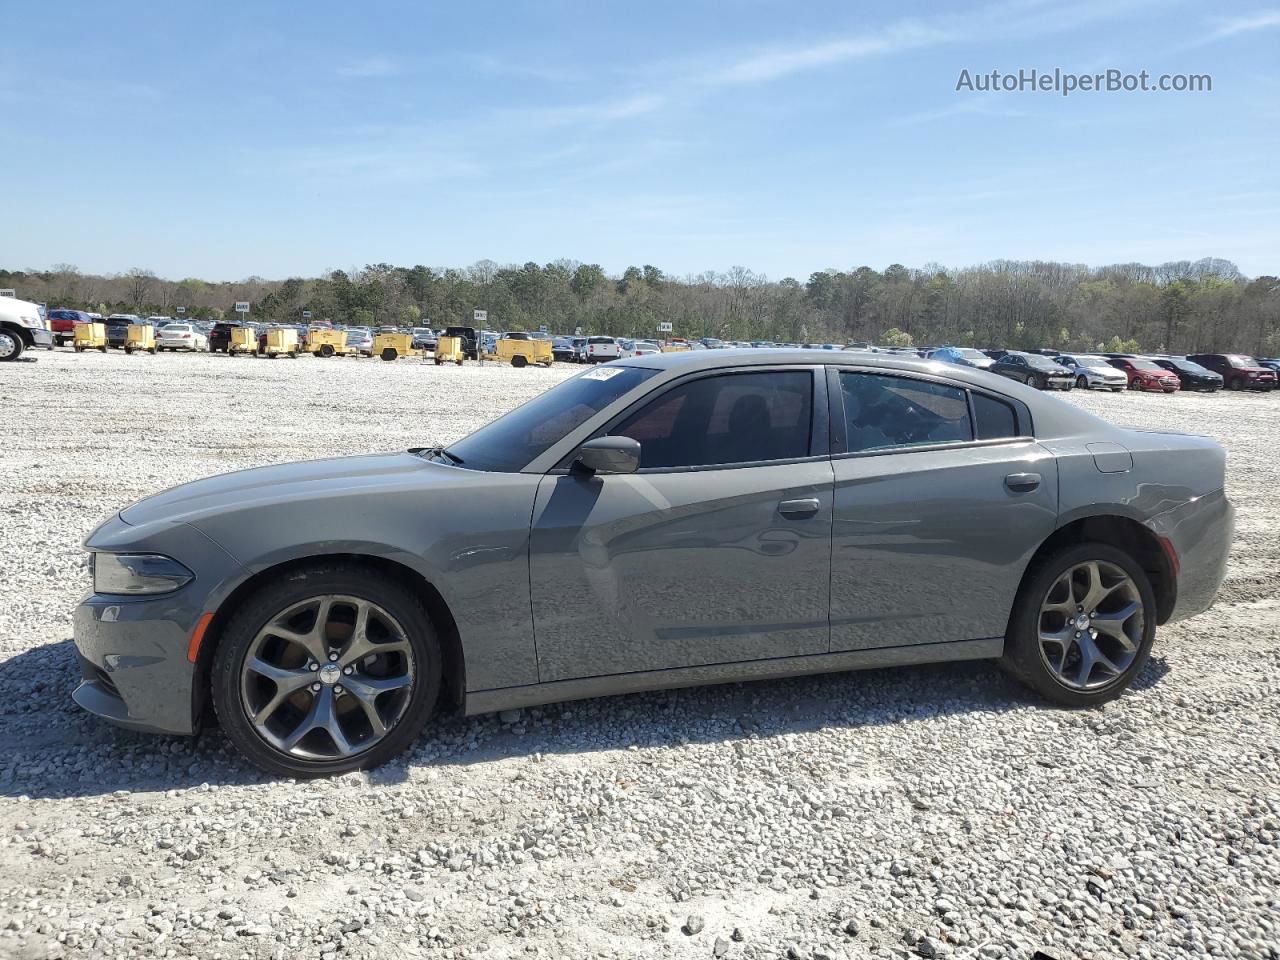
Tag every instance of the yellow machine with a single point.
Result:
(141, 336)
(282, 340)
(90, 336)
(675, 346)
(388, 346)
(243, 340)
(449, 350)
(326, 342)
(521, 352)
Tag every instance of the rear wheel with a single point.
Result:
(326, 350)
(388, 353)
(328, 670)
(1082, 625)
(518, 361)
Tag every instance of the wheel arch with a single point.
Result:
(1124, 532)
(453, 668)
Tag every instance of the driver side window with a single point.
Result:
(884, 411)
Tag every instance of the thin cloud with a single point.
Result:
(601, 112)
(962, 108)
(1237, 25)
(370, 67)
(782, 63)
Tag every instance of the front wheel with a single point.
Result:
(11, 346)
(1082, 382)
(1082, 625)
(518, 361)
(328, 670)
(1235, 384)
(388, 353)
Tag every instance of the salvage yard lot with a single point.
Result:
(889, 813)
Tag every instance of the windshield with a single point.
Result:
(1140, 364)
(1186, 366)
(509, 443)
(1037, 360)
(1240, 362)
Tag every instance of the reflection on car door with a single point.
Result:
(716, 551)
(938, 508)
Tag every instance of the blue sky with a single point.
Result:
(230, 139)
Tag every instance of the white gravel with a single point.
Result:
(913, 812)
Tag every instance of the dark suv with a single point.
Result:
(1239, 371)
(118, 325)
(468, 336)
(220, 337)
(1035, 370)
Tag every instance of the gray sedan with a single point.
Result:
(667, 520)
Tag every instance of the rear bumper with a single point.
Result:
(1200, 532)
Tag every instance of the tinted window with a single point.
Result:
(883, 411)
(731, 418)
(509, 443)
(995, 418)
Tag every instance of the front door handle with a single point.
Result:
(1022, 482)
(795, 509)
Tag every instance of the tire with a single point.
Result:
(458, 361)
(518, 361)
(1082, 382)
(103, 348)
(128, 351)
(1117, 389)
(326, 350)
(1235, 384)
(352, 584)
(388, 353)
(1024, 657)
(78, 349)
(438, 361)
(153, 350)
(11, 346)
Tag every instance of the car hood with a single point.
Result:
(356, 476)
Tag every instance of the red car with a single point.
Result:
(1146, 374)
(1239, 371)
(63, 324)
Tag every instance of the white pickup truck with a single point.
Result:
(602, 349)
(22, 326)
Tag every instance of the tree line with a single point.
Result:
(1180, 307)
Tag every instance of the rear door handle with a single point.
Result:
(806, 507)
(1022, 482)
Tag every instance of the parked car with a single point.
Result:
(1027, 529)
(181, 336)
(562, 349)
(1239, 372)
(1034, 370)
(964, 356)
(1191, 376)
(424, 338)
(361, 339)
(118, 327)
(645, 348)
(21, 328)
(602, 349)
(468, 335)
(1271, 364)
(220, 336)
(1093, 372)
(62, 324)
(1144, 374)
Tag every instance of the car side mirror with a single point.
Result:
(605, 455)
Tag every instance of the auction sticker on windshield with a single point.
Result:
(602, 373)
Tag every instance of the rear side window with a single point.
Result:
(995, 418)
(725, 419)
(884, 411)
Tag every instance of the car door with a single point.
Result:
(716, 550)
(941, 498)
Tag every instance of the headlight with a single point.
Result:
(34, 322)
(137, 573)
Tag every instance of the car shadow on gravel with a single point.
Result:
(50, 748)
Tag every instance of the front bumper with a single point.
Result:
(40, 337)
(133, 663)
(133, 650)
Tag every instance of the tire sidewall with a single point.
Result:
(1022, 645)
(300, 585)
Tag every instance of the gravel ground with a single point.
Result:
(913, 812)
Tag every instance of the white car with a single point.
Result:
(602, 349)
(1094, 372)
(181, 336)
(643, 348)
